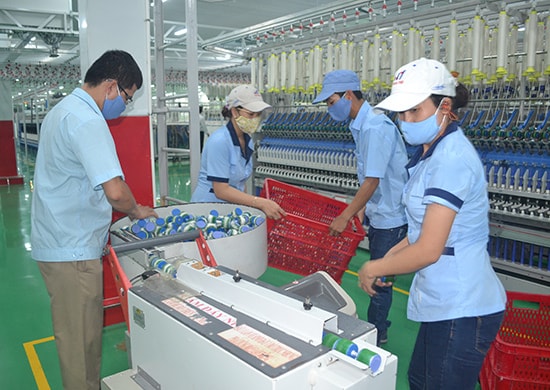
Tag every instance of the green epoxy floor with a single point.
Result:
(28, 358)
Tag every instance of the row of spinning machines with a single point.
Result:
(302, 145)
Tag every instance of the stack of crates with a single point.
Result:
(519, 358)
(300, 243)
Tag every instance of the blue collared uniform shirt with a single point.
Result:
(462, 283)
(76, 155)
(223, 161)
(381, 153)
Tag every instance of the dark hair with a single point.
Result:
(200, 109)
(226, 112)
(460, 100)
(358, 94)
(117, 65)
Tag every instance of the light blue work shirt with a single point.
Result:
(223, 161)
(462, 283)
(381, 153)
(76, 155)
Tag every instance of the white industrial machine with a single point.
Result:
(209, 327)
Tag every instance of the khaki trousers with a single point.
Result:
(76, 298)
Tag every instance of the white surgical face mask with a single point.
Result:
(423, 132)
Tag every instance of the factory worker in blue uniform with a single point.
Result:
(455, 295)
(381, 159)
(78, 181)
(226, 162)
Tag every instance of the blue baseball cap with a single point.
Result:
(338, 81)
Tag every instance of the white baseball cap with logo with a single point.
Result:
(246, 96)
(415, 82)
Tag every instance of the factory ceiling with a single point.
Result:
(230, 31)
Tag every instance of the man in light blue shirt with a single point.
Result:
(77, 183)
(381, 159)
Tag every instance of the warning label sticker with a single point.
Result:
(257, 344)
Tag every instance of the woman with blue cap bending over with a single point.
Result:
(226, 162)
(455, 294)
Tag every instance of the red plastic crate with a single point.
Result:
(300, 243)
(519, 358)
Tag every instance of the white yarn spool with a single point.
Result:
(329, 62)
(317, 66)
(395, 50)
(539, 45)
(261, 82)
(476, 39)
(300, 84)
(283, 66)
(364, 63)
(452, 45)
(344, 55)
(253, 70)
(411, 55)
(351, 56)
(502, 44)
(337, 62)
(435, 43)
(376, 59)
(531, 36)
(309, 74)
(292, 71)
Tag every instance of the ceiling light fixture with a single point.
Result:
(180, 32)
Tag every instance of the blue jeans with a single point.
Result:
(380, 242)
(449, 354)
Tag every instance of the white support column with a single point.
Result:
(124, 25)
(118, 25)
(193, 89)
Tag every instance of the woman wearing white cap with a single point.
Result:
(226, 162)
(455, 294)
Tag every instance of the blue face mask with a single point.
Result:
(419, 133)
(340, 110)
(113, 108)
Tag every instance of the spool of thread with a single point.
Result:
(235, 222)
(142, 235)
(370, 358)
(201, 222)
(257, 220)
(150, 226)
(186, 216)
(347, 347)
(135, 228)
(210, 227)
(217, 234)
(330, 339)
(237, 212)
(162, 265)
(244, 229)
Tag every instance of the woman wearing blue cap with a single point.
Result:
(455, 294)
(381, 159)
(226, 162)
